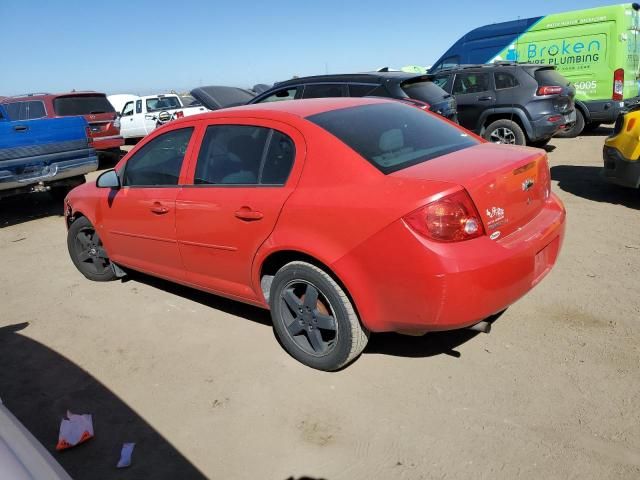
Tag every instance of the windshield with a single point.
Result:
(162, 103)
(82, 105)
(393, 136)
(424, 91)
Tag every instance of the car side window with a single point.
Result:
(244, 155)
(505, 80)
(13, 110)
(278, 161)
(470, 83)
(361, 90)
(284, 94)
(138, 106)
(127, 110)
(158, 162)
(324, 90)
(442, 81)
(35, 110)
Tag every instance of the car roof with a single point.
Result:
(41, 96)
(284, 108)
(483, 66)
(352, 78)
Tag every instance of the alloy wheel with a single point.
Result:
(503, 135)
(309, 318)
(88, 249)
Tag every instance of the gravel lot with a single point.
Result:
(203, 388)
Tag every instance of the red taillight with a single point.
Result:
(179, 114)
(618, 85)
(451, 219)
(549, 90)
(89, 135)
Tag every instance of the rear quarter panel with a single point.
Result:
(341, 200)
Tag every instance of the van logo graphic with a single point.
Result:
(495, 235)
(527, 184)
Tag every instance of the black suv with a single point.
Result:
(509, 102)
(399, 85)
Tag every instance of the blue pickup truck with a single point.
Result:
(47, 154)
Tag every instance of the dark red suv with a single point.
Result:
(103, 122)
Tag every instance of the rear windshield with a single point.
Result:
(424, 91)
(393, 136)
(162, 103)
(550, 77)
(82, 105)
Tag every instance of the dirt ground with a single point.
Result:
(203, 388)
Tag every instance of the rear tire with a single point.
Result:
(577, 128)
(314, 319)
(505, 131)
(87, 252)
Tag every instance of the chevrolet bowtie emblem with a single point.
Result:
(527, 184)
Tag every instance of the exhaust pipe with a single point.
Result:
(484, 327)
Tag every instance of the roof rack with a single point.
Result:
(34, 94)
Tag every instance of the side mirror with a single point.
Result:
(109, 179)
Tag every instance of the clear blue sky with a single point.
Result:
(143, 46)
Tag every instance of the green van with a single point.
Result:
(596, 49)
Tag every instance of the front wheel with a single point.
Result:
(314, 318)
(505, 132)
(87, 252)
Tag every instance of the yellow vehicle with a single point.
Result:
(621, 151)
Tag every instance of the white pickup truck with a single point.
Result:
(141, 116)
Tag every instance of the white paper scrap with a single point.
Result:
(74, 429)
(125, 455)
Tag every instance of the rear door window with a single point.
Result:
(393, 136)
(325, 90)
(244, 155)
(471, 83)
(505, 80)
(82, 105)
(35, 110)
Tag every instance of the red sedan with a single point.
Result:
(342, 216)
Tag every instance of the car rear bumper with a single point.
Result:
(106, 143)
(22, 172)
(543, 128)
(619, 170)
(403, 282)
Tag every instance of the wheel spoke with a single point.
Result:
(83, 256)
(292, 302)
(325, 322)
(311, 297)
(101, 253)
(315, 339)
(295, 328)
(84, 240)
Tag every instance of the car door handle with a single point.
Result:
(246, 213)
(159, 209)
(20, 128)
(485, 99)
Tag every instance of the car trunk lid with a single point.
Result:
(508, 184)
